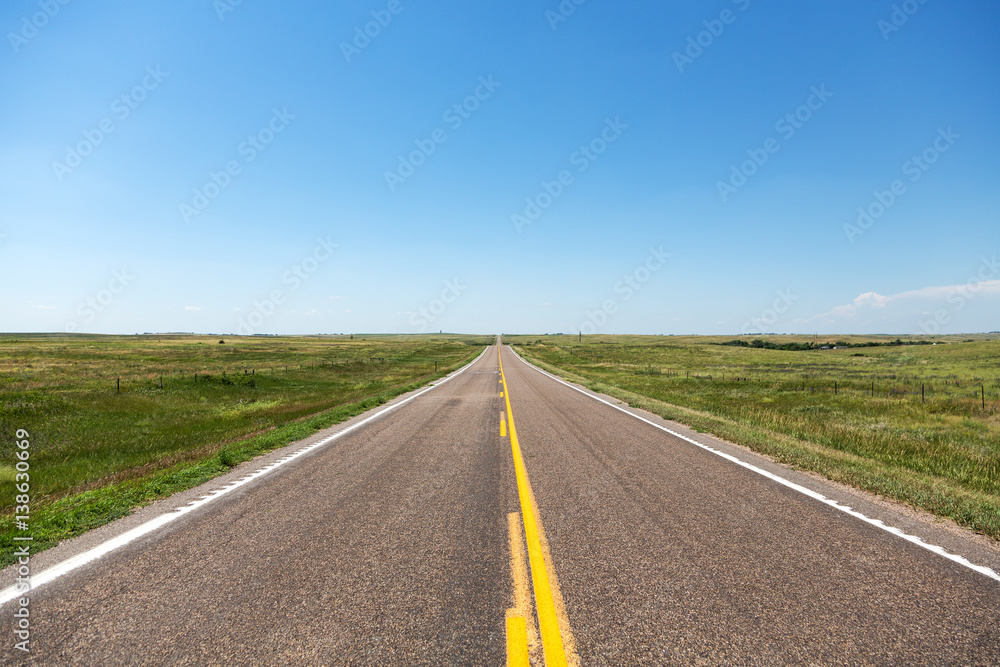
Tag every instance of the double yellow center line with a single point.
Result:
(554, 644)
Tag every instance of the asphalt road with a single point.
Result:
(390, 545)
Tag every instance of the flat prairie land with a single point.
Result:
(913, 419)
(118, 421)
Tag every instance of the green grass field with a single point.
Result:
(100, 447)
(916, 423)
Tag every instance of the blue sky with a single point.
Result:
(643, 167)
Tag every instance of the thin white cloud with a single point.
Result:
(871, 305)
(873, 299)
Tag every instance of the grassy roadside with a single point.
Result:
(86, 472)
(940, 455)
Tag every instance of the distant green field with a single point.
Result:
(106, 436)
(916, 423)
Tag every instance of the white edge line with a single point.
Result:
(981, 569)
(70, 564)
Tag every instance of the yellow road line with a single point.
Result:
(569, 644)
(548, 621)
(517, 642)
(503, 427)
(522, 594)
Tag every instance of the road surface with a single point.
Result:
(426, 535)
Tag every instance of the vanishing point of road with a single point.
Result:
(503, 516)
